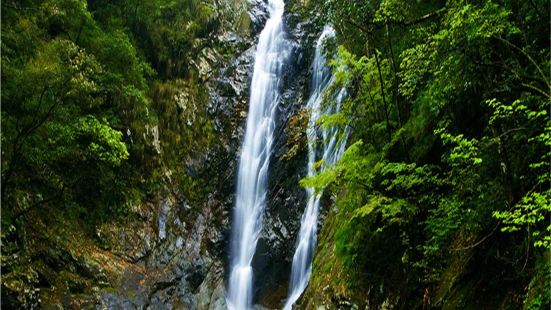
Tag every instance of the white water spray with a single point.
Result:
(331, 152)
(255, 156)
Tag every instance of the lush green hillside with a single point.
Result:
(103, 103)
(444, 192)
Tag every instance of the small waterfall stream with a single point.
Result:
(330, 153)
(252, 177)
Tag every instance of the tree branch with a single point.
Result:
(527, 56)
(380, 25)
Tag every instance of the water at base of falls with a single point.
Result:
(252, 177)
(333, 147)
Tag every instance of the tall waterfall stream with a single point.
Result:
(255, 157)
(332, 147)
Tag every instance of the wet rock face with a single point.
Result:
(287, 199)
(178, 254)
(183, 268)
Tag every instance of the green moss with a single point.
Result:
(244, 23)
(329, 279)
(132, 293)
(538, 295)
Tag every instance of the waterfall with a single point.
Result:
(333, 148)
(252, 177)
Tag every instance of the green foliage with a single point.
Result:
(530, 213)
(107, 145)
(80, 94)
(102, 106)
(448, 172)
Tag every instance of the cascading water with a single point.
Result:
(255, 156)
(333, 148)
